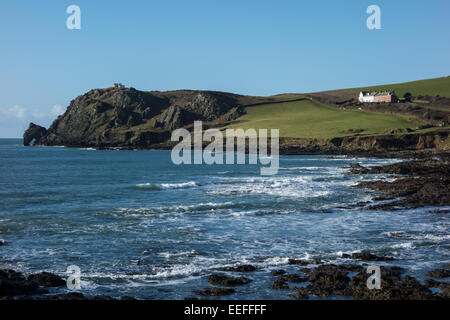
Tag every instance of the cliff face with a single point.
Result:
(125, 117)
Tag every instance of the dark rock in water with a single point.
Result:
(294, 278)
(366, 256)
(426, 184)
(305, 270)
(300, 295)
(2, 242)
(430, 283)
(393, 287)
(13, 283)
(215, 291)
(300, 262)
(346, 256)
(281, 281)
(439, 273)
(328, 280)
(277, 272)
(445, 288)
(11, 275)
(240, 268)
(47, 279)
(34, 133)
(227, 281)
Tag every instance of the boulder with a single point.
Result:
(215, 291)
(227, 281)
(47, 279)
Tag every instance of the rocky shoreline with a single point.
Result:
(418, 183)
(313, 279)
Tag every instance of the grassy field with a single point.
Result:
(430, 87)
(310, 119)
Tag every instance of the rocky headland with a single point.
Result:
(126, 118)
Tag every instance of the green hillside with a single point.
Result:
(310, 119)
(430, 87)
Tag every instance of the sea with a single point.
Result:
(137, 225)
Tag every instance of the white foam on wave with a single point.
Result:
(406, 245)
(211, 207)
(417, 237)
(169, 255)
(166, 186)
(88, 149)
(283, 186)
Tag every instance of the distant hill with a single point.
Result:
(428, 87)
(129, 118)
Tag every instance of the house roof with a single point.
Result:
(377, 93)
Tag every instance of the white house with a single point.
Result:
(384, 96)
(365, 97)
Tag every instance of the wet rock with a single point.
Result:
(2, 242)
(366, 256)
(393, 287)
(227, 281)
(13, 283)
(305, 270)
(352, 267)
(327, 280)
(240, 268)
(430, 283)
(281, 281)
(277, 272)
(300, 295)
(215, 291)
(47, 279)
(346, 256)
(299, 262)
(332, 280)
(424, 183)
(439, 273)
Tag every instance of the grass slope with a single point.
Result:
(310, 119)
(429, 87)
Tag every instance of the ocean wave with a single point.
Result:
(409, 236)
(166, 186)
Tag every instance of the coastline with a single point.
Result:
(313, 278)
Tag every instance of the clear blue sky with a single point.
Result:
(249, 47)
